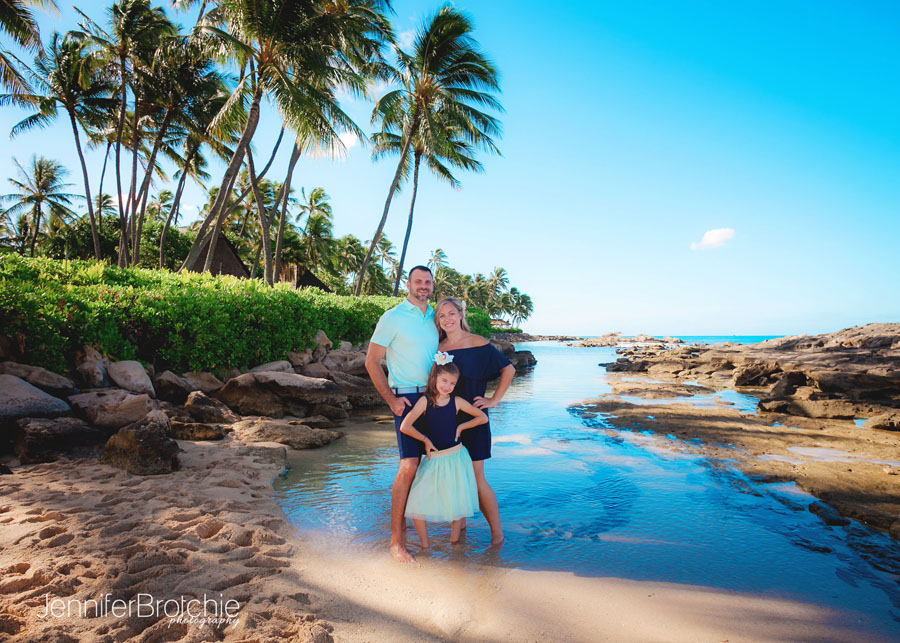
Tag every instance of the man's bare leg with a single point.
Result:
(422, 530)
(487, 502)
(399, 493)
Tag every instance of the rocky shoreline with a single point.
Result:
(813, 392)
(120, 483)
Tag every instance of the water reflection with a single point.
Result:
(577, 497)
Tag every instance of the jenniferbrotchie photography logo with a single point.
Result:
(183, 609)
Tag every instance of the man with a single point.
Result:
(407, 337)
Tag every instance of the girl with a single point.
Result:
(445, 487)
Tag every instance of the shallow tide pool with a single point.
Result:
(574, 498)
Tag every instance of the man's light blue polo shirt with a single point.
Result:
(411, 340)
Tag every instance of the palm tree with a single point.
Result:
(18, 22)
(445, 74)
(135, 30)
(66, 74)
(39, 190)
(317, 240)
(437, 260)
(386, 251)
(296, 52)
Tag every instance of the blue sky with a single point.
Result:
(631, 131)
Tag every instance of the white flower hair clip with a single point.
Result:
(441, 358)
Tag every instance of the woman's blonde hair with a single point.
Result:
(460, 306)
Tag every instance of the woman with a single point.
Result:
(478, 361)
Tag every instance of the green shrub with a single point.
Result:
(185, 321)
(479, 322)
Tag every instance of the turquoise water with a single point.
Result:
(576, 498)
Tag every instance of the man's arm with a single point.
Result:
(379, 379)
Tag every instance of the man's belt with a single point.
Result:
(407, 390)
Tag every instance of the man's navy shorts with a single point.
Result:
(409, 446)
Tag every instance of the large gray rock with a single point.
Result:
(522, 360)
(19, 399)
(293, 435)
(171, 387)
(755, 374)
(47, 381)
(315, 369)
(42, 440)
(342, 361)
(143, 448)
(202, 381)
(206, 409)
(504, 346)
(111, 408)
(360, 391)
(131, 376)
(282, 366)
(278, 394)
(91, 365)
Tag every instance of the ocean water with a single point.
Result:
(574, 497)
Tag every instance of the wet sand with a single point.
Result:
(78, 530)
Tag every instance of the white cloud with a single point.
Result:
(405, 39)
(714, 239)
(349, 139)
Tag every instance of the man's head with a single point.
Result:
(420, 284)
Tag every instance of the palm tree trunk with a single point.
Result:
(286, 188)
(37, 226)
(131, 212)
(95, 235)
(178, 192)
(226, 213)
(214, 235)
(263, 221)
(227, 179)
(145, 185)
(414, 126)
(256, 260)
(100, 188)
(412, 205)
(123, 222)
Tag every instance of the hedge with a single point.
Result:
(187, 321)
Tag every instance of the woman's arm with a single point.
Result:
(478, 416)
(506, 376)
(407, 427)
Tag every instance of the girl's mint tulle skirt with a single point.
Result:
(444, 488)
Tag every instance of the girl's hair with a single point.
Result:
(431, 391)
(460, 306)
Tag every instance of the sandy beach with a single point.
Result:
(76, 530)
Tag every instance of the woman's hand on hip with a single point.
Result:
(484, 402)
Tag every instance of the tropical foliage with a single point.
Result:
(162, 101)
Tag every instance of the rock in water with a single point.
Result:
(884, 422)
(42, 440)
(143, 448)
(296, 436)
(360, 391)
(206, 409)
(131, 376)
(19, 399)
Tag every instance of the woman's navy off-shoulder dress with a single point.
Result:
(477, 365)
